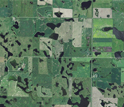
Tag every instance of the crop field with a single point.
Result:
(61, 53)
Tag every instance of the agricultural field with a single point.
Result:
(61, 53)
